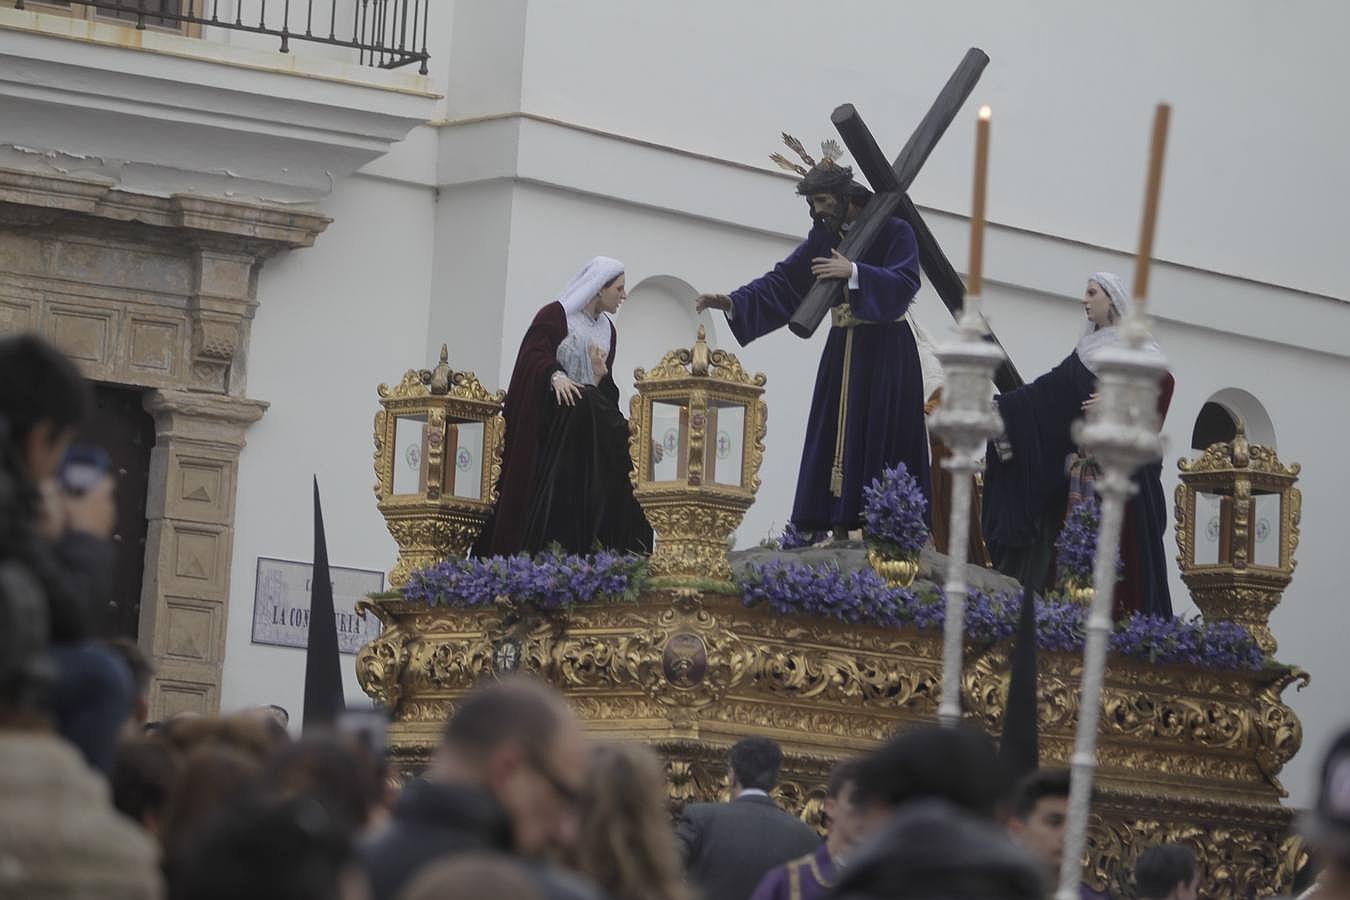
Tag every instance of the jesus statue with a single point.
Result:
(867, 412)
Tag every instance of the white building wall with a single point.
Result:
(1258, 136)
(333, 322)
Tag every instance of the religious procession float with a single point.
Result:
(830, 650)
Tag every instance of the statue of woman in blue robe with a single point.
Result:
(867, 408)
(1028, 469)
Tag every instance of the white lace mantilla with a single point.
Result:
(574, 353)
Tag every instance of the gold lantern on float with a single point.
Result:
(438, 446)
(1237, 517)
(698, 424)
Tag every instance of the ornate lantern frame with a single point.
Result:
(694, 515)
(434, 524)
(1237, 588)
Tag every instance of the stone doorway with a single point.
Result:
(154, 298)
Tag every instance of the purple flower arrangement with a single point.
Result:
(1076, 546)
(893, 508)
(548, 582)
(864, 597)
(554, 581)
(792, 539)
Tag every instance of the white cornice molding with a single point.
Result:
(532, 149)
(161, 113)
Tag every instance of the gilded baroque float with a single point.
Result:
(1187, 753)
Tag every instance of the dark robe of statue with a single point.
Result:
(1026, 496)
(884, 422)
(565, 469)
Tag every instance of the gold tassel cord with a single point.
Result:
(837, 470)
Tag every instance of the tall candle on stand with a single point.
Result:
(975, 278)
(965, 420)
(1122, 433)
(1152, 189)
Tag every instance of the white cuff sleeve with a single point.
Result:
(730, 312)
(853, 279)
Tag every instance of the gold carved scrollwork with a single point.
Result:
(380, 664)
(434, 522)
(1236, 588)
(1234, 863)
(695, 513)
(1185, 754)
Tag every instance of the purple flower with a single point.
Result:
(551, 581)
(893, 509)
(864, 598)
(792, 539)
(1076, 546)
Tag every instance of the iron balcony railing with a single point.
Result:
(385, 33)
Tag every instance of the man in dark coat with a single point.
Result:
(729, 847)
(506, 777)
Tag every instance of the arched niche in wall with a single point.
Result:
(658, 317)
(1218, 419)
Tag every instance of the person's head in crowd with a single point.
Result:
(268, 849)
(143, 775)
(754, 765)
(141, 674)
(473, 876)
(518, 740)
(1326, 828)
(43, 400)
(842, 816)
(1040, 809)
(280, 714)
(625, 842)
(256, 736)
(930, 850)
(1167, 872)
(212, 778)
(332, 769)
(929, 762)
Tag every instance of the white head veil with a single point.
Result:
(587, 283)
(1094, 339)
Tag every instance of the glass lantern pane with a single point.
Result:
(464, 472)
(1212, 528)
(726, 443)
(1266, 530)
(670, 440)
(410, 453)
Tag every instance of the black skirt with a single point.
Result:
(583, 497)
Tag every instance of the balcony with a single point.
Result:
(386, 34)
(270, 100)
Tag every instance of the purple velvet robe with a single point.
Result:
(885, 423)
(807, 878)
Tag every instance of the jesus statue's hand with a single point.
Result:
(598, 366)
(712, 301)
(836, 265)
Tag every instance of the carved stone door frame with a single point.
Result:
(157, 293)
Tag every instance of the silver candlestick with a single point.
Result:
(965, 421)
(1121, 431)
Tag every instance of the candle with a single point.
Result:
(975, 278)
(1151, 191)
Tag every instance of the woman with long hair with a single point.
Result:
(626, 844)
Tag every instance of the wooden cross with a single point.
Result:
(889, 182)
